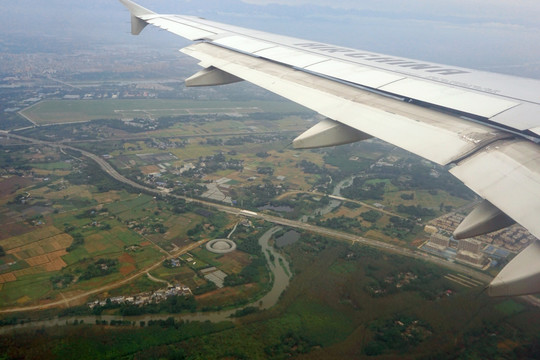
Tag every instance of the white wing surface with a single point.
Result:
(485, 126)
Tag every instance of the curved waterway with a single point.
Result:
(333, 203)
(279, 269)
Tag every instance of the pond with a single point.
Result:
(290, 237)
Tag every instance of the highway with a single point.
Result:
(484, 278)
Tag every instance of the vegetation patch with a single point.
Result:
(510, 307)
(101, 267)
(397, 334)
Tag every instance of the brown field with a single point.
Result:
(71, 191)
(226, 294)
(126, 258)
(49, 245)
(178, 225)
(94, 243)
(55, 265)
(350, 213)
(124, 270)
(13, 229)
(371, 234)
(507, 345)
(213, 293)
(4, 278)
(146, 243)
(186, 276)
(9, 185)
(37, 260)
(149, 169)
(42, 233)
(237, 176)
(41, 254)
(234, 262)
(108, 197)
(40, 247)
(61, 241)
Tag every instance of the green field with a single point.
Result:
(105, 236)
(324, 315)
(66, 111)
(53, 166)
(339, 297)
(510, 307)
(26, 289)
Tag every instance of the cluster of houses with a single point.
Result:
(145, 298)
(514, 238)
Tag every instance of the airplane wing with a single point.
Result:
(485, 127)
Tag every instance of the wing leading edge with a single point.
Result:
(485, 126)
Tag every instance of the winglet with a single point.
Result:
(136, 9)
(137, 14)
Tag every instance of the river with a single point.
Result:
(333, 203)
(280, 272)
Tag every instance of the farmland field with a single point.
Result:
(67, 111)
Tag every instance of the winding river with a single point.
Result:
(279, 269)
(333, 203)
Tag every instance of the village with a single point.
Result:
(514, 239)
(145, 298)
(482, 251)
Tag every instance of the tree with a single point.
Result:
(371, 216)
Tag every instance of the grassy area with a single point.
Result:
(195, 263)
(53, 166)
(103, 233)
(328, 311)
(132, 208)
(137, 286)
(25, 290)
(424, 198)
(64, 111)
(510, 307)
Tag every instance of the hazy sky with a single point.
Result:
(518, 12)
(497, 35)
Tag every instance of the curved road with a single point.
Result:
(281, 276)
(236, 211)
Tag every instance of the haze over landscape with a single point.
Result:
(142, 219)
(489, 35)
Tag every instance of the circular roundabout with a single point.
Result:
(221, 246)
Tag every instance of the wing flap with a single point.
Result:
(436, 136)
(522, 117)
(354, 73)
(181, 28)
(291, 57)
(243, 43)
(449, 97)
